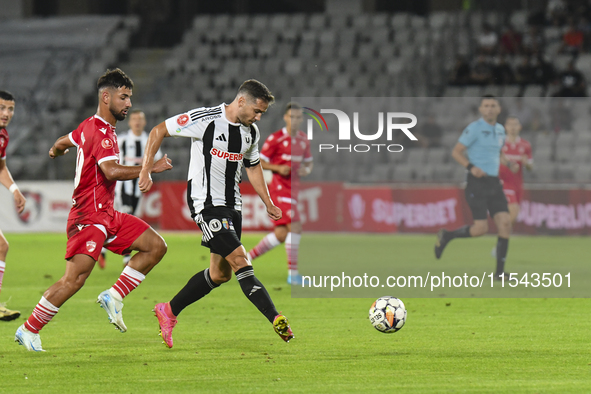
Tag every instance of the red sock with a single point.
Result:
(42, 314)
(292, 247)
(129, 280)
(266, 244)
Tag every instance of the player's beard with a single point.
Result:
(118, 115)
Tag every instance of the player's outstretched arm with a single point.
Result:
(61, 146)
(155, 139)
(458, 153)
(117, 172)
(256, 178)
(281, 169)
(8, 182)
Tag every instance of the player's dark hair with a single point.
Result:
(114, 79)
(292, 105)
(489, 97)
(256, 90)
(4, 95)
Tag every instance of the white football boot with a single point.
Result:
(113, 308)
(28, 339)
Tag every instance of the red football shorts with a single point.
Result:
(289, 209)
(118, 237)
(513, 194)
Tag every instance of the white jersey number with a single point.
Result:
(79, 164)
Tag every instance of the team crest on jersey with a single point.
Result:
(182, 120)
(225, 223)
(90, 246)
(1, 142)
(215, 225)
(107, 143)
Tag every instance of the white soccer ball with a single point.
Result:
(387, 314)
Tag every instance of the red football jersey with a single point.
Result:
(3, 143)
(96, 142)
(282, 149)
(514, 151)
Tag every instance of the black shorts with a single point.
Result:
(222, 229)
(485, 194)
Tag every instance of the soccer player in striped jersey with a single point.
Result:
(224, 139)
(93, 222)
(287, 153)
(131, 150)
(7, 104)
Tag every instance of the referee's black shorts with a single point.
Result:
(485, 194)
(222, 229)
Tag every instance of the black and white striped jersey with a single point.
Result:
(219, 150)
(131, 153)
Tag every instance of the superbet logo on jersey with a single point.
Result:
(182, 120)
(226, 155)
(344, 130)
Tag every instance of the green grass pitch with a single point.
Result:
(223, 344)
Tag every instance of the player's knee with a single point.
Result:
(504, 224)
(281, 236)
(75, 283)
(160, 248)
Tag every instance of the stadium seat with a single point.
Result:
(519, 18)
(400, 21)
(533, 91)
(260, 22)
(278, 22)
(542, 154)
(438, 20)
(317, 22)
(437, 155)
(403, 173)
(564, 172)
(582, 174)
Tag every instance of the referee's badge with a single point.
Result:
(215, 225)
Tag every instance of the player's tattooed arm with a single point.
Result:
(61, 146)
(257, 180)
(155, 139)
(116, 172)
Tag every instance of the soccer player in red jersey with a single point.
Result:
(516, 150)
(287, 153)
(93, 222)
(7, 103)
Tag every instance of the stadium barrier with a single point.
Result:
(328, 207)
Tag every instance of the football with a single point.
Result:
(387, 314)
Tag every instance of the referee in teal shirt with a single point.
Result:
(479, 151)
